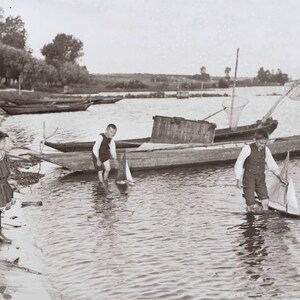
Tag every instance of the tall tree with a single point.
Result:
(72, 73)
(1, 14)
(204, 75)
(64, 48)
(13, 33)
(203, 70)
(227, 72)
(12, 62)
(261, 75)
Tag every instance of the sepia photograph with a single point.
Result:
(149, 149)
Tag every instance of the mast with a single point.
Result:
(274, 106)
(233, 87)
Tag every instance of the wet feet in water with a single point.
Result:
(254, 209)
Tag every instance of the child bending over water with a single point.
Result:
(104, 149)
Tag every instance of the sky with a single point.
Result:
(169, 36)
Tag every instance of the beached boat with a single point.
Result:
(43, 101)
(157, 156)
(13, 109)
(182, 94)
(93, 99)
(221, 135)
(105, 100)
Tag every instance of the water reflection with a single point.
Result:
(176, 234)
(252, 248)
(262, 249)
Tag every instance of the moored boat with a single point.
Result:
(182, 94)
(105, 100)
(87, 146)
(153, 156)
(43, 101)
(13, 109)
(221, 135)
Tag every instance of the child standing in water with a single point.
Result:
(104, 149)
(251, 162)
(6, 192)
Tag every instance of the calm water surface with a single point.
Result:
(176, 234)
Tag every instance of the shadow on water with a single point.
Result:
(252, 246)
(262, 249)
(107, 200)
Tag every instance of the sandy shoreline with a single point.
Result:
(23, 273)
(27, 278)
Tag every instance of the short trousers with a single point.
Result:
(103, 159)
(254, 183)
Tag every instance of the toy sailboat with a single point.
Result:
(124, 175)
(283, 197)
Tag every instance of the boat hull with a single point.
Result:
(44, 108)
(104, 100)
(221, 135)
(176, 157)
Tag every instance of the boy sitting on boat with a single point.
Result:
(251, 162)
(104, 149)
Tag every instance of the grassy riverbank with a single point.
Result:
(138, 82)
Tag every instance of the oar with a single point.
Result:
(213, 114)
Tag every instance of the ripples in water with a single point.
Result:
(177, 234)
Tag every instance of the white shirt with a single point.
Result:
(246, 151)
(112, 146)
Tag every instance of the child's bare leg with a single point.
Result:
(106, 165)
(265, 204)
(250, 208)
(100, 176)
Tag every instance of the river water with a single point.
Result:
(177, 234)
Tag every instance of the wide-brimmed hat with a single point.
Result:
(3, 134)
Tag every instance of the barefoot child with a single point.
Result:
(104, 149)
(252, 161)
(6, 192)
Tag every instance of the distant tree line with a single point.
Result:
(265, 76)
(17, 63)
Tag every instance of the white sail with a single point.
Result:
(292, 202)
(283, 197)
(124, 175)
(128, 173)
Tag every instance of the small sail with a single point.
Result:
(292, 202)
(283, 197)
(124, 175)
(295, 94)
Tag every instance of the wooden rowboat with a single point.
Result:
(44, 108)
(43, 101)
(221, 135)
(105, 100)
(245, 132)
(169, 156)
(87, 146)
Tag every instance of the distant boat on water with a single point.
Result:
(182, 94)
(14, 109)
